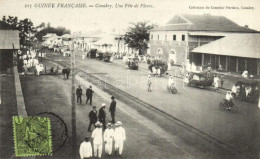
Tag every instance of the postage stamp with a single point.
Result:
(32, 136)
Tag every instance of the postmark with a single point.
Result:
(59, 130)
(32, 136)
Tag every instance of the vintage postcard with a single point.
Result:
(133, 79)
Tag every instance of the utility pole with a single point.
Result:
(73, 111)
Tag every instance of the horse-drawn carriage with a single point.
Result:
(92, 53)
(199, 79)
(158, 67)
(132, 63)
(103, 56)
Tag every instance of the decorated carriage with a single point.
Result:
(158, 67)
(199, 79)
(103, 56)
(132, 63)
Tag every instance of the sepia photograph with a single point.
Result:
(129, 79)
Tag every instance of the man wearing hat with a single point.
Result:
(85, 149)
(119, 138)
(112, 109)
(79, 93)
(92, 117)
(97, 140)
(89, 94)
(102, 115)
(108, 139)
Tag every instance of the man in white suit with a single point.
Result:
(108, 139)
(119, 138)
(97, 140)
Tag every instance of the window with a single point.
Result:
(174, 38)
(165, 37)
(183, 38)
(151, 36)
(158, 37)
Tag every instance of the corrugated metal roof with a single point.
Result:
(202, 23)
(240, 45)
(8, 38)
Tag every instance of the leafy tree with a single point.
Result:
(137, 36)
(24, 26)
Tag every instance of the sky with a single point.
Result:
(89, 19)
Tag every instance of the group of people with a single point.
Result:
(89, 94)
(244, 91)
(101, 116)
(66, 72)
(217, 80)
(111, 138)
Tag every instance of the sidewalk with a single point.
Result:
(8, 110)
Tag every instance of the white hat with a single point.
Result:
(98, 123)
(118, 123)
(109, 124)
(103, 104)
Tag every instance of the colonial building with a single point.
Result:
(49, 35)
(232, 53)
(174, 41)
(104, 42)
(9, 44)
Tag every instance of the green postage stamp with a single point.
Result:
(32, 136)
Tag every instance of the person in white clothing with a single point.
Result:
(170, 81)
(119, 138)
(97, 140)
(234, 90)
(216, 80)
(245, 74)
(85, 150)
(229, 98)
(108, 139)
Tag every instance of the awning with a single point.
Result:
(239, 45)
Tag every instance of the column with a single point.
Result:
(245, 64)
(215, 63)
(219, 61)
(237, 64)
(202, 59)
(226, 63)
(210, 60)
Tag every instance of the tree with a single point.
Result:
(58, 30)
(137, 36)
(24, 26)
